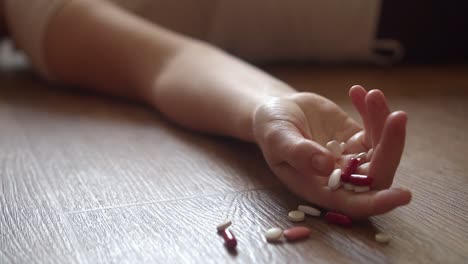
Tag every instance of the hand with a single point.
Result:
(292, 132)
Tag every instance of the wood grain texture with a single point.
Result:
(87, 179)
(33, 230)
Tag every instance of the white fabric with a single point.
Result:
(27, 21)
(324, 30)
(321, 30)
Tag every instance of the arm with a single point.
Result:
(96, 45)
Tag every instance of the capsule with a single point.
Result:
(296, 233)
(350, 169)
(229, 239)
(338, 219)
(309, 210)
(223, 225)
(361, 155)
(334, 179)
(360, 180)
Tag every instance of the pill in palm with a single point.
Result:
(334, 179)
(361, 155)
(225, 224)
(273, 234)
(296, 233)
(360, 180)
(296, 216)
(338, 219)
(309, 210)
(349, 169)
(383, 237)
(334, 148)
(360, 189)
(229, 239)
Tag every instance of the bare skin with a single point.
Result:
(205, 89)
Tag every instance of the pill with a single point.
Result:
(229, 239)
(296, 233)
(338, 219)
(296, 216)
(309, 210)
(334, 148)
(349, 169)
(343, 147)
(348, 187)
(334, 179)
(360, 180)
(273, 234)
(224, 225)
(360, 189)
(361, 155)
(383, 237)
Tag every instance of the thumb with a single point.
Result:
(305, 155)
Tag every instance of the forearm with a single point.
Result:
(205, 89)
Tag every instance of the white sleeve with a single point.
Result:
(27, 21)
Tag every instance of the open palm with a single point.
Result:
(293, 131)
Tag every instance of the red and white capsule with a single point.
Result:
(229, 239)
(360, 180)
(338, 219)
(349, 169)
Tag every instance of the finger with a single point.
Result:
(286, 144)
(307, 156)
(358, 97)
(361, 205)
(378, 111)
(388, 152)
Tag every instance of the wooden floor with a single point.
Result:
(89, 179)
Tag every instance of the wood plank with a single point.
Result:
(107, 152)
(87, 179)
(32, 228)
(183, 230)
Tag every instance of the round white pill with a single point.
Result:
(361, 189)
(361, 155)
(224, 225)
(334, 148)
(343, 147)
(348, 187)
(296, 216)
(334, 179)
(309, 210)
(383, 237)
(273, 234)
